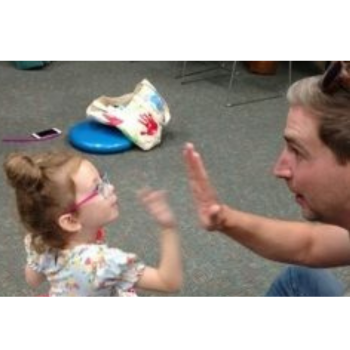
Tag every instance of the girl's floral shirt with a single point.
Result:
(87, 270)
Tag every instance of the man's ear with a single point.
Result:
(69, 222)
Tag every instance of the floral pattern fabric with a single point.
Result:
(87, 270)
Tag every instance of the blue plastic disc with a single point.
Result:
(93, 137)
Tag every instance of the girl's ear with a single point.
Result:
(69, 222)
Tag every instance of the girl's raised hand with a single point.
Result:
(156, 203)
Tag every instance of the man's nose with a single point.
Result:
(282, 168)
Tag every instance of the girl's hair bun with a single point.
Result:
(22, 172)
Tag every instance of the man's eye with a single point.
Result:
(293, 149)
(297, 153)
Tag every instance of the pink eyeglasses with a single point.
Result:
(101, 189)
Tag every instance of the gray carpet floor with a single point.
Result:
(239, 145)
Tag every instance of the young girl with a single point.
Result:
(64, 202)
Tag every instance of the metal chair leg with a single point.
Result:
(289, 73)
(197, 75)
(183, 70)
(233, 71)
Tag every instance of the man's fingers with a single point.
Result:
(199, 182)
(195, 166)
(188, 157)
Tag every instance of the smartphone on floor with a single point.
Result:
(47, 133)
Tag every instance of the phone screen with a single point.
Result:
(48, 132)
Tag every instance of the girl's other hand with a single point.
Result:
(156, 203)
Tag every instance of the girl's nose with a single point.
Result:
(111, 188)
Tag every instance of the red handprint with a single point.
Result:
(148, 121)
(112, 119)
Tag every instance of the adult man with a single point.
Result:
(315, 163)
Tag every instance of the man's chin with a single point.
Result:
(310, 216)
